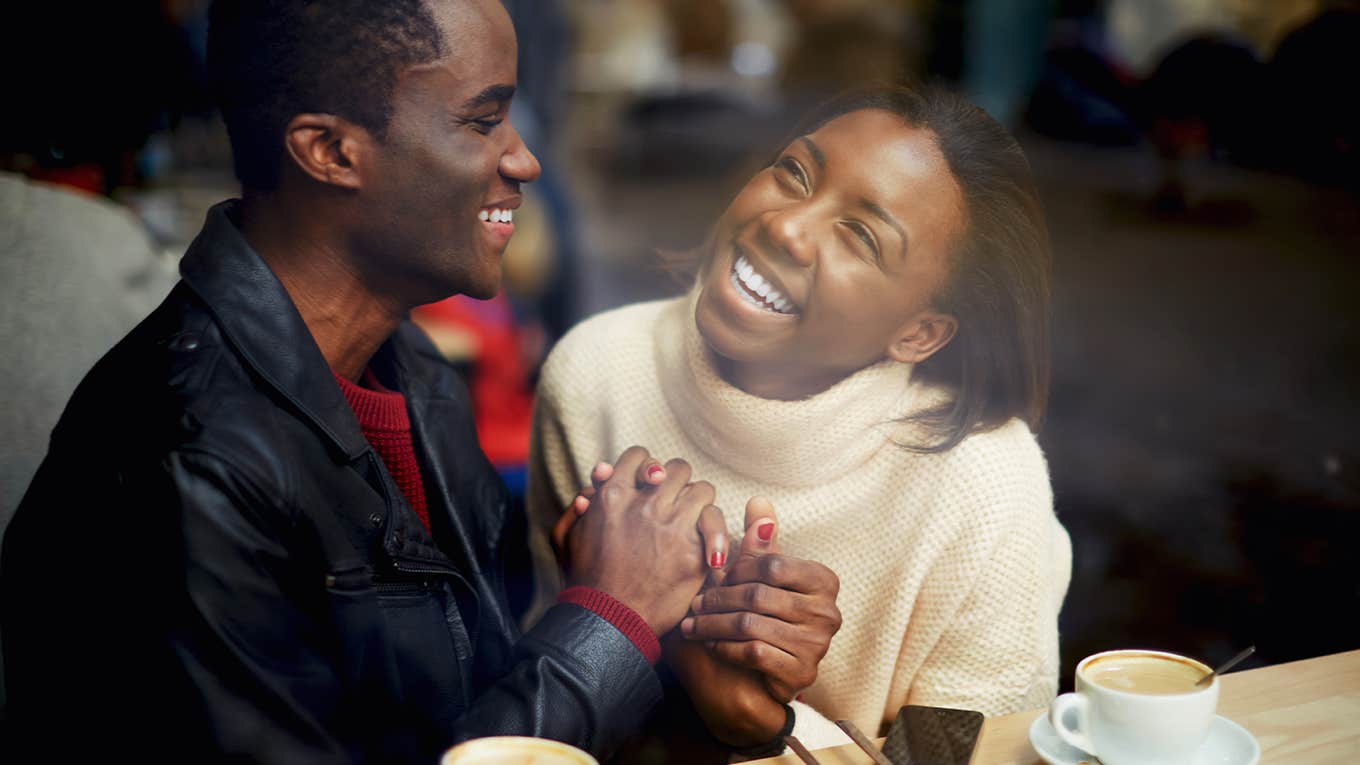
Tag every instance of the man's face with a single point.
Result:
(451, 159)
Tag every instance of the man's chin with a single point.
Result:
(483, 289)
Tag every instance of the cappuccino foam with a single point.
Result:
(1145, 674)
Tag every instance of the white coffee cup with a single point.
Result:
(515, 750)
(1137, 707)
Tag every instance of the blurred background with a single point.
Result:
(1199, 161)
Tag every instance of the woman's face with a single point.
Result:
(847, 235)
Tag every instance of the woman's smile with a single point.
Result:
(757, 288)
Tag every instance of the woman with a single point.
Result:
(867, 346)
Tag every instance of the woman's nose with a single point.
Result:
(791, 232)
(518, 163)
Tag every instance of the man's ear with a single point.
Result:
(327, 148)
(925, 334)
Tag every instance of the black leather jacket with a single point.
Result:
(213, 564)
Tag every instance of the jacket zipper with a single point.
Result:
(402, 586)
(411, 568)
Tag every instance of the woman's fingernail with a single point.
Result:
(717, 559)
(654, 471)
(765, 531)
(581, 504)
(687, 625)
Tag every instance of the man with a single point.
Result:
(263, 531)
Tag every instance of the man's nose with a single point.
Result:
(518, 163)
(790, 231)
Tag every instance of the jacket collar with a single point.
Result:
(259, 320)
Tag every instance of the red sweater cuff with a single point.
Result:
(625, 619)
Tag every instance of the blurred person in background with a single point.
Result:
(865, 356)
(78, 270)
(76, 273)
(109, 76)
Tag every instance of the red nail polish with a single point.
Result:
(717, 559)
(765, 531)
(654, 471)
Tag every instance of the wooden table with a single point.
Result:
(1301, 713)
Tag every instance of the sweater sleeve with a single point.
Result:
(999, 652)
(814, 730)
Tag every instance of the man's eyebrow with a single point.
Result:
(490, 95)
(817, 155)
(887, 218)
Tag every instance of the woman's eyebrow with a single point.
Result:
(817, 155)
(887, 218)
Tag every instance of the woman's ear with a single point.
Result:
(327, 148)
(927, 333)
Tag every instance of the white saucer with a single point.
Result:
(1228, 744)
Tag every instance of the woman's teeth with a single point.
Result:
(756, 289)
(496, 215)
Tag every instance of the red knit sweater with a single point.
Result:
(383, 419)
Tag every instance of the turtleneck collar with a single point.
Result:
(803, 442)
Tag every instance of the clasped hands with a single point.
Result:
(742, 632)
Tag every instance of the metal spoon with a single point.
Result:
(1227, 665)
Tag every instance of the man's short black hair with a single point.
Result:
(270, 60)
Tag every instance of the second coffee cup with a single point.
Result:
(1137, 707)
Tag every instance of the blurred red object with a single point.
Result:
(485, 335)
(88, 178)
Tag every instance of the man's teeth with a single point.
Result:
(744, 275)
(496, 215)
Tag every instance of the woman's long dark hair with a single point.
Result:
(997, 365)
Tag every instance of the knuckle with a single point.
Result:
(833, 582)
(766, 599)
(645, 504)
(745, 623)
(806, 678)
(752, 597)
(773, 567)
(753, 652)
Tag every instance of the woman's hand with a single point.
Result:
(732, 701)
(771, 613)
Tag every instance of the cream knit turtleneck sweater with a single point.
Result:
(952, 566)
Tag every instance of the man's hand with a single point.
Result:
(640, 540)
(712, 527)
(772, 613)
